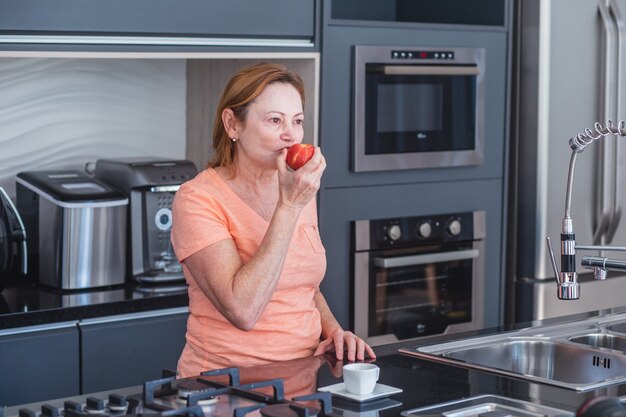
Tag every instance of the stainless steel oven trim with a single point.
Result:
(361, 283)
(414, 160)
(398, 261)
(361, 299)
(430, 70)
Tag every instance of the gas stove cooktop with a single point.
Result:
(218, 393)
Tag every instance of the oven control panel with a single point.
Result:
(422, 230)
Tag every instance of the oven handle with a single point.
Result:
(400, 261)
(430, 70)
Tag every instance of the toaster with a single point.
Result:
(75, 229)
(150, 185)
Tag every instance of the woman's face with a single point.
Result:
(274, 121)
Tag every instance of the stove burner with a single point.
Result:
(288, 410)
(171, 397)
(94, 406)
(186, 388)
(117, 403)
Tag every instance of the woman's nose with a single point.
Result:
(288, 133)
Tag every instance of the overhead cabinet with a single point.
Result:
(194, 18)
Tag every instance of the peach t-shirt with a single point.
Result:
(205, 211)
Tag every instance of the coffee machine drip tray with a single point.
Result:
(160, 276)
(150, 185)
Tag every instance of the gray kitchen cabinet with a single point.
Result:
(39, 363)
(238, 18)
(126, 350)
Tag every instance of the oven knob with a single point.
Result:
(394, 232)
(424, 230)
(454, 227)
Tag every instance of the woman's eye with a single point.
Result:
(299, 121)
(275, 120)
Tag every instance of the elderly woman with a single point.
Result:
(245, 231)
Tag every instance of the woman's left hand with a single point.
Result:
(341, 340)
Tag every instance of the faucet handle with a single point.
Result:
(552, 258)
(567, 286)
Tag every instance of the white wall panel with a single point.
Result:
(63, 113)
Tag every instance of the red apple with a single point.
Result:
(299, 154)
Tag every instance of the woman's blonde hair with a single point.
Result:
(241, 90)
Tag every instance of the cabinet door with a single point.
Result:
(38, 363)
(274, 18)
(131, 349)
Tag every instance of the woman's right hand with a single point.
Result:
(297, 188)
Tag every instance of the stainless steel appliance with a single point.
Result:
(150, 184)
(13, 256)
(558, 95)
(418, 107)
(75, 228)
(418, 276)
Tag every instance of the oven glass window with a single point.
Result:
(419, 113)
(404, 102)
(420, 300)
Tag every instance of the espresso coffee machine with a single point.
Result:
(150, 185)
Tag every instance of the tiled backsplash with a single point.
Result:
(63, 113)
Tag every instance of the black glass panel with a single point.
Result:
(425, 113)
(420, 300)
(475, 12)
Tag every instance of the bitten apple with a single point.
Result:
(299, 154)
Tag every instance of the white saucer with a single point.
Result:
(380, 391)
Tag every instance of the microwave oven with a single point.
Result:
(418, 107)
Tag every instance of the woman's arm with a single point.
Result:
(334, 337)
(241, 292)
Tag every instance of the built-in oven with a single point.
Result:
(418, 276)
(419, 107)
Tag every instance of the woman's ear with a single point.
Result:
(230, 123)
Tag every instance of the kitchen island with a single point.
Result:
(422, 382)
(131, 308)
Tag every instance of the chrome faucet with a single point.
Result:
(568, 287)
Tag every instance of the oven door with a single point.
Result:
(408, 293)
(412, 114)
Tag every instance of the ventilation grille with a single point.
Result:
(601, 362)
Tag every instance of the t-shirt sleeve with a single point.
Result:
(198, 221)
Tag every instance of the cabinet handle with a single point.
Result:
(40, 328)
(429, 70)
(603, 205)
(135, 316)
(428, 258)
(156, 40)
(616, 213)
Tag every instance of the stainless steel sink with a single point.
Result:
(488, 406)
(582, 355)
(550, 361)
(617, 328)
(602, 340)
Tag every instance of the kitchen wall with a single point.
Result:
(63, 113)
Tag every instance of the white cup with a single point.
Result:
(360, 378)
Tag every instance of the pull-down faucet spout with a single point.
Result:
(568, 287)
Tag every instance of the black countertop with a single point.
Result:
(423, 382)
(25, 304)
(426, 383)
